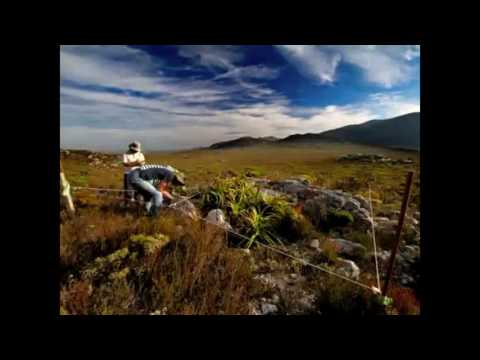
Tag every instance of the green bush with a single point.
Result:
(337, 297)
(262, 218)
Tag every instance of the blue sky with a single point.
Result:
(176, 97)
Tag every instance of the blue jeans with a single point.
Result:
(154, 205)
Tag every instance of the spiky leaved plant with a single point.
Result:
(260, 227)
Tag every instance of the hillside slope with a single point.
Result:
(399, 132)
(243, 141)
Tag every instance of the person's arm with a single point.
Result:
(142, 159)
(134, 163)
(163, 188)
(167, 195)
(139, 162)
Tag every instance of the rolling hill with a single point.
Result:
(402, 132)
(244, 141)
(399, 132)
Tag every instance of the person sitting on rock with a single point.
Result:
(132, 160)
(154, 182)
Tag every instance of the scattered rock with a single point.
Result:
(290, 186)
(271, 193)
(260, 181)
(363, 202)
(267, 309)
(187, 209)
(160, 312)
(374, 158)
(348, 248)
(348, 268)
(318, 208)
(216, 217)
(314, 244)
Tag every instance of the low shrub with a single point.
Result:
(404, 300)
(337, 297)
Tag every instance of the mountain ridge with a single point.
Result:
(401, 132)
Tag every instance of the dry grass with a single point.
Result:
(195, 273)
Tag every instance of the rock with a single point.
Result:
(216, 217)
(266, 279)
(303, 179)
(348, 268)
(260, 181)
(352, 205)
(326, 201)
(363, 202)
(314, 244)
(306, 302)
(290, 186)
(160, 312)
(186, 208)
(349, 248)
(411, 252)
(246, 251)
(271, 193)
(275, 299)
(268, 309)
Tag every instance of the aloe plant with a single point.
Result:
(261, 227)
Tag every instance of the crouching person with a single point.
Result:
(147, 178)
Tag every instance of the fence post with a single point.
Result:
(406, 197)
(65, 188)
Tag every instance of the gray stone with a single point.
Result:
(410, 252)
(259, 181)
(290, 186)
(352, 205)
(268, 308)
(348, 268)
(216, 217)
(381, 219)
(271, 193)
(363, 202)
(186, 208)
(314, 244)
(346, 247)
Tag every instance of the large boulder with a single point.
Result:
(318, 208)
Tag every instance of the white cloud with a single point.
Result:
(182, 113)
(220, 56)
(252, 72)
(312, 61)
(385, 65)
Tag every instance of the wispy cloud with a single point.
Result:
(113, 94)
(385, 65)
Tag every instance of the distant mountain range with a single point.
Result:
(402, 132)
